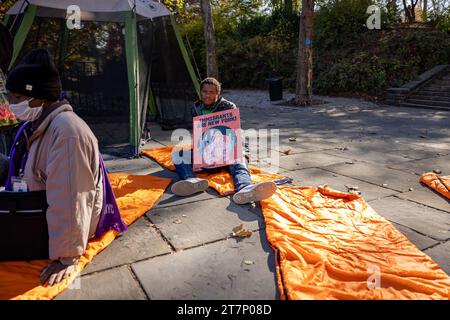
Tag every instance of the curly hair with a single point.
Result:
(212, 81)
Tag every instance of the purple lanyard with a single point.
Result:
(12, 167)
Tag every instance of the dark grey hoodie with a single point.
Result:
(220, 105)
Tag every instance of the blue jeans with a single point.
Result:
(182, 160)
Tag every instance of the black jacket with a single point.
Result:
(221, 105)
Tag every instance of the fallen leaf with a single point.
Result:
(238, 228)
(244, 233)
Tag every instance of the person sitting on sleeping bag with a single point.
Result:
(245, 191)
(56, 151)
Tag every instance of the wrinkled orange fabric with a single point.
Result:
(135, 196)
(439, 184)
(222, 181)
(329, 245)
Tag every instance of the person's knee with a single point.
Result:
(238, 168)
(181, 156)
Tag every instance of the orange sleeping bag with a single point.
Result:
(333, 245)
(222, 181)
(135, 196)
(438, 184)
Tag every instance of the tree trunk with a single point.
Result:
(212, 69)
(303, 92)
(424, 10)
(407, 13)
(413, 11)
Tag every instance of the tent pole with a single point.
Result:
(131, 48)
(152, 103)
(22, 33)
(185, 54)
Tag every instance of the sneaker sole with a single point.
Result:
(263, 191)
(185, 188)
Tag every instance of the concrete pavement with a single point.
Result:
(182, 248)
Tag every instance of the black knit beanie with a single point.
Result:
(35, 76)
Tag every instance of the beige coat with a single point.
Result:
(64, 160)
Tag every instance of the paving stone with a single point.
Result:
(151, 144)
(427, 197)
(417, 153)
(163, 137)
(169, 199)
(107, 157)
(428, 221)
(421, 166)
(441, 255)
(308, 160)
(315, 177)
(370, 144)
(438, 143)
(204, 221)
(377, 174)
(300, 146)
(422, 242)
(163, 173)
(115, 284)
(363, 154)
(140, 241)
(130, 165)
(214, 271)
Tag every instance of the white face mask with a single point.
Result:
(23, 111)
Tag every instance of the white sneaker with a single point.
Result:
(189, 186)
(255, 192)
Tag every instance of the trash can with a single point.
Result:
(275, 88)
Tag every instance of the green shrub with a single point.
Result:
(440, 21)
(348, 58)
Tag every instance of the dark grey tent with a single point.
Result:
(127, 58)
(6, 48)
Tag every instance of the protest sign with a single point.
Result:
(217, 139)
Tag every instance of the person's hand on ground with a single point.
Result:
(56, 271)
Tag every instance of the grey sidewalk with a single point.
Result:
(182, 248)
